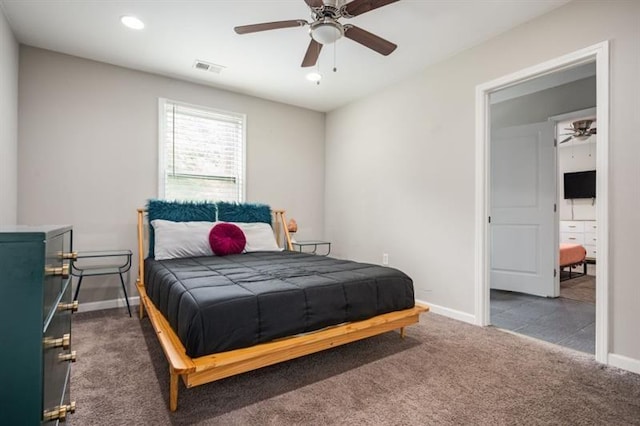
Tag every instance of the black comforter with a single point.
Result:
(216, 304)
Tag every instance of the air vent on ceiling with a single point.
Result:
(207, 66)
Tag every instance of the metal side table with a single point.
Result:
(313, 244)
(121, 263)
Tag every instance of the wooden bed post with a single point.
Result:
(141, 256)
(279, 214)
(173, 389)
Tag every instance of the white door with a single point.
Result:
(523, 245)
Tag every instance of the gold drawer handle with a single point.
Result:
(59, 413)
(64, 342)
(73, 306)
(72, 255)
(571, 238)
(58, 270)
(68, 357)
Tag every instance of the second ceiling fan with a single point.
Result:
(326, 28)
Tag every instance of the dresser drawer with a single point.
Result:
(590, 226)
(571, 226)
(590, 238)
(591, 251)
(56, 366)
(572, 237)
(55, 268)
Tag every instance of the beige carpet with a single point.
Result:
(444, 373)
(581, 288)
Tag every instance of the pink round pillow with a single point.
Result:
(226, 238)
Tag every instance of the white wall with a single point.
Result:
(8, 123)
(575, 156)
(400, 164)
(89, 142)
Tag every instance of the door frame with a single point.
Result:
(600, 53)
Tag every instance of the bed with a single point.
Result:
(218, 316)
(572, 255)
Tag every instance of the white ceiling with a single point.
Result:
(265, 64)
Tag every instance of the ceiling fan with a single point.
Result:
(580, 129)
(326, 28)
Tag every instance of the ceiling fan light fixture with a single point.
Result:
(326, 31)
(314, 77)
(326, 28)
(132, 22)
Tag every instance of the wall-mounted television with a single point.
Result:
(580, 184)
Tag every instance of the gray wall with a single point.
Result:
(8, 123)
(89, 143)
(538, 107)
(401, 163)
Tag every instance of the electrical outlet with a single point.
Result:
(385, 258)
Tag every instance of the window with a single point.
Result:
(202, 153)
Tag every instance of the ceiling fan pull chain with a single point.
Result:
(334, 56)
(318, 64)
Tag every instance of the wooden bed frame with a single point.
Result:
(208, 368)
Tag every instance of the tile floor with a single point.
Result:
(565, 322)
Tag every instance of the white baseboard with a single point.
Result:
(108, 304)
(625, 363)
(448, 312)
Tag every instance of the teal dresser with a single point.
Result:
(35, 325)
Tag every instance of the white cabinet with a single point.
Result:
(590, 227)
(580, 232)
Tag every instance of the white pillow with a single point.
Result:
(181, 239)
(259, 237)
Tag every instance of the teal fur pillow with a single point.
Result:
(178, 211)
(244, 212)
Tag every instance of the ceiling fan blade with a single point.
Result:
(246, 29)
(314, 3)
(567, 139)
(369, 40)
(313, 52)
(358, 7)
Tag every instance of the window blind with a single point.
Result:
(203, 154)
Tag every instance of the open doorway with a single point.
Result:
(542, 185)
(526, 159)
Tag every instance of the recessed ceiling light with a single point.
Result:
(314, 76)
(132, 22)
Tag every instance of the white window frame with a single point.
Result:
(162, 102)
